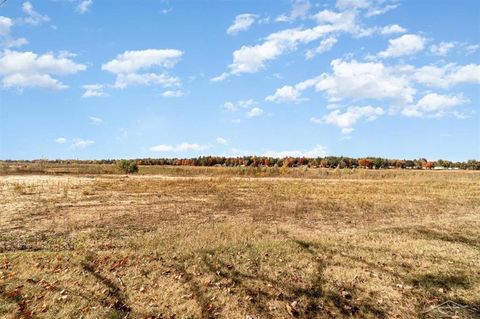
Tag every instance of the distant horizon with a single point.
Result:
(80, 79)
(239, 156)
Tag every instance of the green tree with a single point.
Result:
(127, 166)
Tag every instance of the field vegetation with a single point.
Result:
(217, 242)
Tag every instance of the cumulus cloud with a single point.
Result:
(133, 61)
(229, 106)
(13, 43)
(391, 29)
(442, 48)
(407, 44)
(353, 80)
(470, 48)
(61, 140)
(325, 45)
(32, 16)
(126, 67)
(79, 143)
(300, 10)
(95, 120)
(28, 69)
(6, 40)
(179, 148)
(221, 140)
(317, 151)
(251, 59)
(221, 77)
(93, 90)
(131, 79)
(173, 93)
(285, 94)
(447, 75)
(255, 112)
(379, 10)
(292, 94)
(356, 80)
(84, 6)
(251, 104)
(434, 104)
(5, 25)
(392, 85)
(346, 120)
(242, 22)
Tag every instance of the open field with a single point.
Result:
(216, 243)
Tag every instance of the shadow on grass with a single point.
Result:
(423, 232)
(268, 295)
(119, 305)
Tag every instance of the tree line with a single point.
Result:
(262, 161)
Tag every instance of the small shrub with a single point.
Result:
(127, 166)
(19, 189)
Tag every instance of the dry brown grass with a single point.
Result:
(208, 243)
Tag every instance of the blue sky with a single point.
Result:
(92, 79)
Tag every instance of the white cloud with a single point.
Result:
(171, 93)
(247, 103)
(447, 75)
(325, 45)
(79, 143)
(229, 106)
(434, 104)
(356, 80)
(346, 120)
(84, 6)
(242, 22)
(300, 10)
(251, 59)
(179, 148)
(393, 28)
(28, 69)
(292, 94)
(61, 140)
(124, 80)
(221, 77)
(33, 17)
(407, 44)
(285, 94)
(93, 90)
(317, 151)
(254, 112)
(375, 11)
(466, 74)
(13, 43)
(133, 61)
(221, 140)
(95, 120)
(5, 24)
(234, 106)
(6, 40)
(316, 120)
(352, 4)
(127, 65)
(442, 48)
(371, 7)
(471, 48)
(395, 85)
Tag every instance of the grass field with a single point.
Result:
(220, 243)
